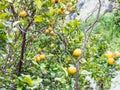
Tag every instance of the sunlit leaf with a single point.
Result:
(3, 15)
(38, 4)
(1, 25)
(38, 18)
(27, 79)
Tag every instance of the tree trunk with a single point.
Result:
(22, 53)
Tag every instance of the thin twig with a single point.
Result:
(94, 10)
(76, 86)
(88, 29)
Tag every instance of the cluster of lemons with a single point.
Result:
(23, 13)
(76, 53)
(63, 8)
(110, 56)
(49, 31)
(39, 56)
(70, 7)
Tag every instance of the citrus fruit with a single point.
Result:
(77, 52)
(72, 70)
(23, 14)
(109, 54)
(39, 50)
(42, 57)
(111, 61)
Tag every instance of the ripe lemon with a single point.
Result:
(39, 50)
(111, 61)
(51, 32)
(77, 52)
(70, 9)
(109, 54)
(42, 57)
(117, 54)
(72, 70)
(23, 14)
(47, 31)
(38, 58)
(50, 29)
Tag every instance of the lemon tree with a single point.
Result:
(41, 49)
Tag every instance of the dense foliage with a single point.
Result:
(37, 41)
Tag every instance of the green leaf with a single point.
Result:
(118, 1)
(34, 62)
(3, 15)
(23, 22)
(66, 73)
(76, 23)
(38, 4)
(1, 25)
(3, 6)
(38, 18)
(19, 88)
(27, 79)
(51, 11)
(37, 81)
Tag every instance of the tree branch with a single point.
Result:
(88, 29)
(76, 86)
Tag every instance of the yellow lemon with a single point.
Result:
(111, 61)
(72, 70)
(70, 9)
(117, 54)
(50, 29)
(38, 58)
(42, 57)
(109, 54)
(47, 31)
(77, 52)
(23, 14)
(39, 50)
